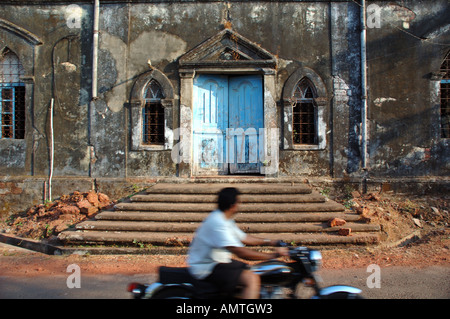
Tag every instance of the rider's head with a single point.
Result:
(227, 198)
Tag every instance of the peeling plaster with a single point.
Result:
(399, 13)
(115, 98)
(379, 101)
(13, 155)
(258, 13)
(168, 136)
(311, 18)
(416, 155)
(169, 48)
(86, 160)
(283, 64)
(341, 89)
(157, 13)
(321, 128)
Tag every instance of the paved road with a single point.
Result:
(395, 283)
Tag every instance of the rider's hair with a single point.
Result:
(227, 197)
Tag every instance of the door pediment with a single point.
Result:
(227, 49)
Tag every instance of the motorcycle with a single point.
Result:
(279, 280)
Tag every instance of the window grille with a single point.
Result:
(12, 97)
(304, 114)
(153, 115)
(445, 97)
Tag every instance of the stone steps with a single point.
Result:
(245, 198)
(168, 214)
(248, 217)
(154, 226)
(244, 207)
(244, 188)
(183, 239)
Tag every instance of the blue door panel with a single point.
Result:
(210, 120)
(246, 118)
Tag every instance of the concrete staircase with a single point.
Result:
(167, 214)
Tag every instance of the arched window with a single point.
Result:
(151, 103)
(445, 97)
(153, 114)
(12, 96)
(304, 114)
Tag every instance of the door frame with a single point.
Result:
(212, 57)
(235, 148)
(271, 129)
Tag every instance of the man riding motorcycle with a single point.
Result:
(217, 238)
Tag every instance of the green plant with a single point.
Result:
(347, 192)
(138, 243)
(348, 203)
(47, 230)
(266, 163)
(325, 192)
(135, 188)
(142, 245)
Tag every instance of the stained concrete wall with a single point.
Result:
(93, 137)
(404, 55)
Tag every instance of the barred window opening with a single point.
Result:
(153, 115)
(304, 114)
(12, 96)
(445, 97)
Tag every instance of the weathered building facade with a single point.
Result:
(137, 90)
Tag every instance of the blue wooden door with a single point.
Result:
(227, 116)
(245, 119)
(210, 121)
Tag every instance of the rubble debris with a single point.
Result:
(49, 219)
(356, 194)
(87, 208)
(435, 210)
(417, 222)
(336, 222)
(345, 231)
(176, 242)
(398, 214)
(373, 197)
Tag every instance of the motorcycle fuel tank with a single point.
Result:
(273, 272)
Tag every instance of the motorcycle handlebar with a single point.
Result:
(281, 243)
(292, 250)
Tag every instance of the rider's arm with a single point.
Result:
(250, 254)
(256, 241)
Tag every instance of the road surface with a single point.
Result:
(395, 283)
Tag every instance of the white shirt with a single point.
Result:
(208, 247)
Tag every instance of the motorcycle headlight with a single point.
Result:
(315, 258)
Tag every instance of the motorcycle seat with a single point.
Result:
(181, 275)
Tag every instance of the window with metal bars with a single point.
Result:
(153, 115)
(304, 114)
(445, 97)
(12, 96)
